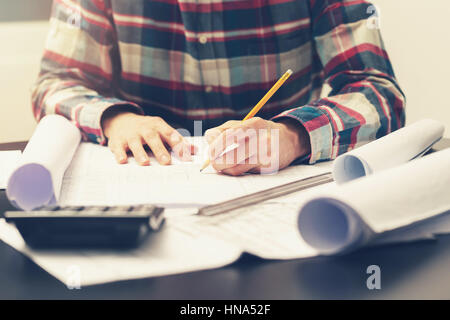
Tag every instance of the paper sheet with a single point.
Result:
(360, 210)
(389, 151)
(190, 243)
(44, 176)
(422, 230)
(37, 179)
(8, 162)
(169, 251)
(269, 230)
(94, 177)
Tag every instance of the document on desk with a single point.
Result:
(192, 243)
(56, 168)
(398, 204)
(169, 251)
(94, 178)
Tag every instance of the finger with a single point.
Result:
(238, 135)
(138, 151)
(249, 166)
(119, 151)
(238, 170)
(239, 156)
(159, 150)
(223, 141)
(213, 133)
(181, 148)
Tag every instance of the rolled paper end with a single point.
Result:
(348, 167)
(30, 186)
(330, 226)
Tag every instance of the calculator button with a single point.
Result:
(94, 211)
(143, 210)
(119, 209)
(72, 208)
(96, 208)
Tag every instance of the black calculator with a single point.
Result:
(87, 226)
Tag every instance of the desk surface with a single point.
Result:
(417, 270)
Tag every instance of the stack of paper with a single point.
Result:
(354, 214)
(389, 151)
(332, 218)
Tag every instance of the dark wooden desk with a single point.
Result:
(408, 271)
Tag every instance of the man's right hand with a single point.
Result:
(127, 131)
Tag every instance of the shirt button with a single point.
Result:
(203, 39)
(208, 89)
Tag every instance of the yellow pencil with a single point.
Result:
(261, 103)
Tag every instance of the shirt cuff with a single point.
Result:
(319, 128)
(88, 117)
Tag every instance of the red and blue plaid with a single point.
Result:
(212, 60)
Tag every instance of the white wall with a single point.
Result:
(415, 33)
(21, 46)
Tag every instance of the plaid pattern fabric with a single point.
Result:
(212, 60)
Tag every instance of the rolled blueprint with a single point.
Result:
(37, 179)
(389, 151)
(362, 210)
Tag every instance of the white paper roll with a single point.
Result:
(353, 214)
(389, 151)
(37, 180)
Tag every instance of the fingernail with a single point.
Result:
(175, 138)
(165, 159)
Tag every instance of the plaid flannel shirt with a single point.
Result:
(212, 60)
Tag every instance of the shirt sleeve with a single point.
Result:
(360, 99)
(79, 67)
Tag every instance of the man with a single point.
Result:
(128, 72)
